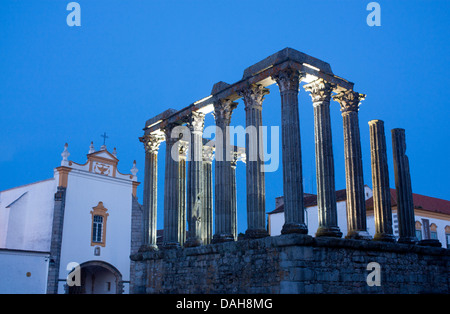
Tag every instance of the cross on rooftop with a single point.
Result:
(104, 138)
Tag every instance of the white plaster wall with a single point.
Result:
(311, 219)
(14, 266)
(26, 224)
(84, 191)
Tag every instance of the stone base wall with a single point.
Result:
(293, 264)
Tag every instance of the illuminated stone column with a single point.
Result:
(151, 146)
(256, 194)
(356, 203)
(294, 213)
(207, 225)
(326, 193)
(172, 217)
(183, 149)
(380, 183)
(223, 172)
(195, 180)
(233, 195)
(405, 205)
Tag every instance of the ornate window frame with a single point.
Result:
(100, 211)
(419, 230)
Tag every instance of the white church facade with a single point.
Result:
(75, 225)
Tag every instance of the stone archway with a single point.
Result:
(98, 277)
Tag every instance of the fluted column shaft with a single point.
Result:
(233, 196)
(294, 213)
(356, 204)
(326, 193)
(223, 172)
(256, 195)
(380, 183)
(183, 148)
(151, 145)
(195, 180)
(405, 205)
(172, 219)
(207, 225)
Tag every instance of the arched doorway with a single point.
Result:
(98, 277)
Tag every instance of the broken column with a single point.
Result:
(405, 205)
(380, 183)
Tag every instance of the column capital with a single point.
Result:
(196, 121)
(253, 96)
(151, 142)
(288, 79)
(182, 149)
(234, 158)
(208, 153)
(168, 133)
(349, 100)
(320, 90)
(223, 108)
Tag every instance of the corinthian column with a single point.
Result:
(151, 145)
(183, 148)
(380, 183)
(207, 225)
(405, 205)
(223, 172)
(172, 216)
(326, 193)
(356, 204)
(294, 214)
(254, 150)
(195, 180)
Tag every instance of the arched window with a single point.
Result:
(433, 231)
(98, 230)
(418, 230)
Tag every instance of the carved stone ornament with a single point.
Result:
(288, 79)
(223, 109)
(320, 90)
(196, 121)
(151, 143)
(349, 100)
(254, 96)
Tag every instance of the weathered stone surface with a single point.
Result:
(354, 178)
(380, 183)
(295, 263)
(320, 92)
(285, 55)
(294, 213)
(405, 205)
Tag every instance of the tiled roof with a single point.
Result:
(423, 202)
